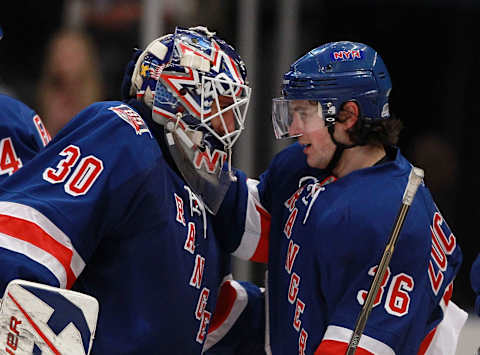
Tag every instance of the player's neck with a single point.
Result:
(358, 157)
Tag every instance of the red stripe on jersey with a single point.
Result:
(31, 233)
(448, 294)
(261, 252)
(334, 347)
(428, 339)
(225, 300)
(426, 342)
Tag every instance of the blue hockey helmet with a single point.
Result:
(331, 75)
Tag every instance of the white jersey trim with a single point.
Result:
(37, 254)
(238, 306)
(368, 343)
(445, 340)
(253, 226)
(33, 216)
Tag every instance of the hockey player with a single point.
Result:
(119, 204)
(321, 215)
(22, 135)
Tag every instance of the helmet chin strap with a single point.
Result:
(340, 147)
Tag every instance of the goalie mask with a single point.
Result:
(195, 84)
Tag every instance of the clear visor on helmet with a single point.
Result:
(229, 104)
(291, 117)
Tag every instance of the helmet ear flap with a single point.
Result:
(143, 83)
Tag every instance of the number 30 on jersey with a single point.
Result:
(79, 181)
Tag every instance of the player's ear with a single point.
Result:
(353, 111)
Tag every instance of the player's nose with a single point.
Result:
(296, 127)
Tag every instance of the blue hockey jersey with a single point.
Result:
(323, 239)
(475, 282)
(101, 211)
(22, 135)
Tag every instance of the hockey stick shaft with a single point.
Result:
(414, 180)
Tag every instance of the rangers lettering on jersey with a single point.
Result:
(294, 286)
(309, 187)
(200, 312)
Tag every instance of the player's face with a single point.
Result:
(308, 123)
(228, 124)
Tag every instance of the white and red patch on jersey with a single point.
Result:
(131, 116)
(42, 130)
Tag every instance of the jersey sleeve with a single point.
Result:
(22, 135)
(250, 202)
(242, 224)
(238, 323)
(77, 190)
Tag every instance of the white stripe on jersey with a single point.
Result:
(22, 244)
(253, 226)
(37, 254)
(236, 308)
(343, 335)
(448, 331)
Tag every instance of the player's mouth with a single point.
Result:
(306, 148)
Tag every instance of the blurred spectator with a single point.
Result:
(439, 159)
(120, 25)
(70, 79)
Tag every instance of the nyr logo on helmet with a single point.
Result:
(212, 162)
(131, 116)
(350, 55)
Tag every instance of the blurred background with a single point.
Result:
(58, 56)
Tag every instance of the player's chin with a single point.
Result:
(315, 160)
(311, 161)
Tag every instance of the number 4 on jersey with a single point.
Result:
(9, 161)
